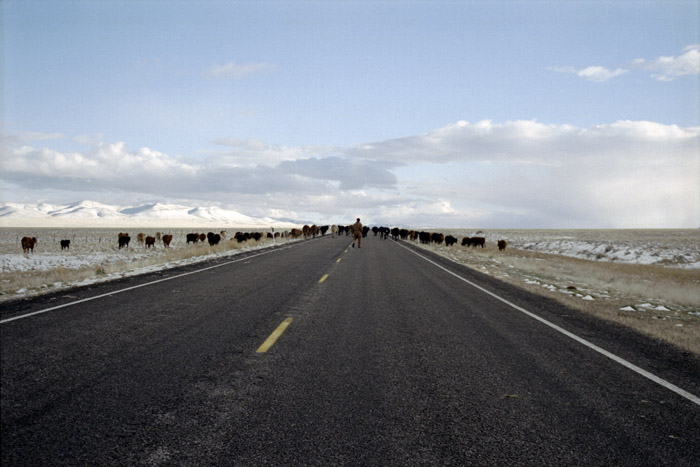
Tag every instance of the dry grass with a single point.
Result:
(615, 292)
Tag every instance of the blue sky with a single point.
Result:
(450, 114)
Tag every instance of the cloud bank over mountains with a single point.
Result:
(514, 174)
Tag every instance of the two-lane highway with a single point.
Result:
(388, 356)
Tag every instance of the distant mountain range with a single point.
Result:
(94, 214)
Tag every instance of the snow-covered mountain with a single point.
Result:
(94, 214)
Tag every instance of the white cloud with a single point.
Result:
(512, 174)
(597, 74)
(240, 153)
(235, 70)
(670, 68)
(666, 68)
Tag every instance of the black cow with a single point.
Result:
(450, 240)
(192, 237)
(213, 238)
(437, 238)
(324, 229)
(124, 241)
(65, 245)
(424, 237)
(478, 241)
(395, 233)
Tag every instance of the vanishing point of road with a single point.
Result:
(315, 353)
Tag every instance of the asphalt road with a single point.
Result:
(389, 358)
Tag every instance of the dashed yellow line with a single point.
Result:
(270, 341)
(338, 261)
(325, 276)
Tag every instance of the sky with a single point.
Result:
(454, 114)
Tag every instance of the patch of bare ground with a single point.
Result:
(661, 302)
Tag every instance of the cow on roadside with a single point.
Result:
(213, 238)
(166, 240)
(150, 241)
(437, 237)
(466, 241)
(424, 237)
(141, 238)
(28, 244)
(65, 245)
(478, 241)
(502, 245)
(124, 240)
(450, 240)
(192, 237)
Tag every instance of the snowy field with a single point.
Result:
(672, 248)
(94, 256)
(98, 247)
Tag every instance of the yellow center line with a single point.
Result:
(325, 276)
(270, 341)
(339, 260)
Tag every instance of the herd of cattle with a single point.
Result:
(308, 231)
(430, 237)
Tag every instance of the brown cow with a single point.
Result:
(28, 244)
(166, 240)
(202, 237)
(296, 233)
(502, 245)
(141, 237)
(150, 241)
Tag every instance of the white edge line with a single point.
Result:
(46, 310)
(681, 392)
